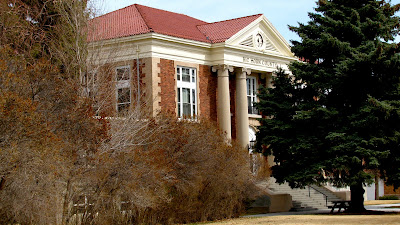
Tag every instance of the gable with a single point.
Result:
(261, 36)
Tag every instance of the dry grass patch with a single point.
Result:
(316, 219)
(381, 202)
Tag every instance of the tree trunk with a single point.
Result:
(357, 198)
(66, 208)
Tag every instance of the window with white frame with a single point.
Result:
(251, 94)
(186, 94)
(123, 89)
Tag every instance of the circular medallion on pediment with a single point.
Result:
(259, 41)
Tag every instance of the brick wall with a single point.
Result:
(168, 92)
(388, 190)
(207, 93)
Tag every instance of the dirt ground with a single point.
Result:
(316, 219)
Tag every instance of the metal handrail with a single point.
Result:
(309, 194)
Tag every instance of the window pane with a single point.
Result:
(186, 101)
(254, 86)
(250, 111)
(123, 109)
(123, 74)
(248, 86)
(178, 74)
(179, 109)
(193, 76)
(179, 95)
(186, 95)
(185, 74)
(193, 96)
(124, 95)
(186, 109)
(194, 101)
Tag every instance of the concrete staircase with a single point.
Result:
(310, 198)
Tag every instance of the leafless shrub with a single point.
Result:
(183, 172)
(46, 127)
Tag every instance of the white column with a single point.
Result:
(223, 102)
(242, 117)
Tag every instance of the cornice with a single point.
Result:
(226, 48)
(153, 36)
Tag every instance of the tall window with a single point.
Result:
(187, 98)
(251, 94)
(123, 87)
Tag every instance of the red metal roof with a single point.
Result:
(121, 23)
(138, 19)
(222, 31)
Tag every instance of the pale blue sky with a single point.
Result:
(281, 13)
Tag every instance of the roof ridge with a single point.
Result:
(112, 12)
(168, 12)
(260, 14)
(144, 20)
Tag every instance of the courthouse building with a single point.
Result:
(189, 67)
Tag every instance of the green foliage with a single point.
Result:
(389, 197)
(336, 118)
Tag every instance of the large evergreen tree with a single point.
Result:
(336, 118)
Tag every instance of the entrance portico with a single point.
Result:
(241, 106)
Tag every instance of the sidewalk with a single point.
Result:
(384, 208)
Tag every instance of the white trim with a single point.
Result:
(255, 116)
(153, 36)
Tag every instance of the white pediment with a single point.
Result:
(261, 36)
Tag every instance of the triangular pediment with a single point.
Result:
(261, 36)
